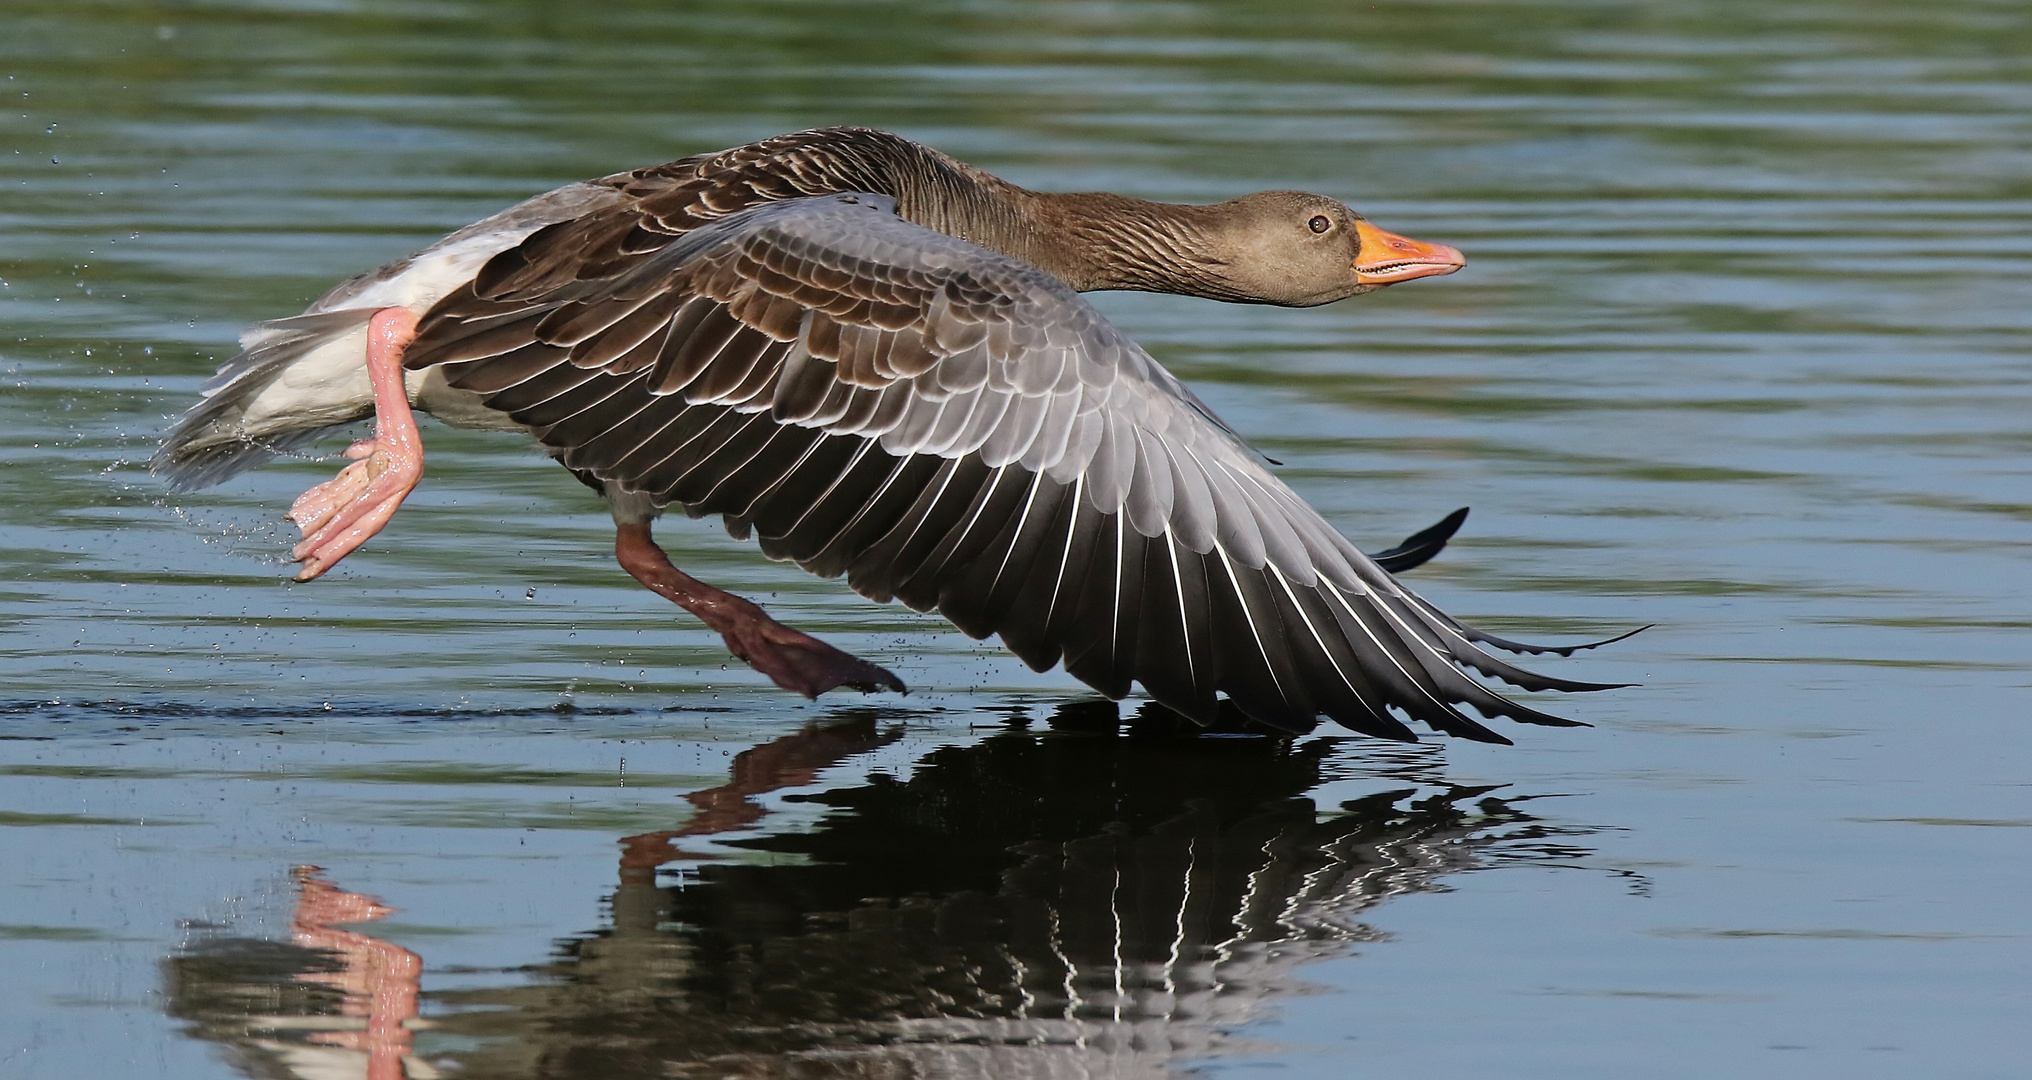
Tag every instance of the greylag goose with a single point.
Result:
(874, 359)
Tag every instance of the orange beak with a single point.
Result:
(1387, 258)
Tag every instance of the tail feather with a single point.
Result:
(217, 439)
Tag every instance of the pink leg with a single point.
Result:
(795, 660)
(341, 514)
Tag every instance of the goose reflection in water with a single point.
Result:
(1082, 902)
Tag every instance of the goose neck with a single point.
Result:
(1090, 240)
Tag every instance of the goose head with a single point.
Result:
(1296, 249)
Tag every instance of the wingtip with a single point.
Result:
(1420, 547)
(1486, 638)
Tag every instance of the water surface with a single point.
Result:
(1741, 351)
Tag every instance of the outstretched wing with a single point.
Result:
(960, 431)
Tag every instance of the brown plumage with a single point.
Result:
(873, 359)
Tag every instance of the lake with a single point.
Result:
(1743, 350)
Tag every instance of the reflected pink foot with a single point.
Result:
(341, 514)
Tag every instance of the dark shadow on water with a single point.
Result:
(1085, 900)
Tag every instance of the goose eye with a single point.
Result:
(1320, 224)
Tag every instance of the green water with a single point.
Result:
(1742, 351)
